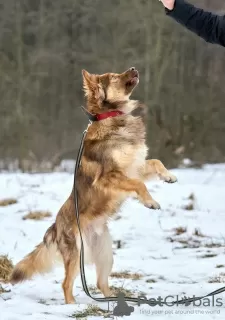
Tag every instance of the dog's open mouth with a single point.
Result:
(134, 80)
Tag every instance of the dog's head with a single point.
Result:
(109, 87)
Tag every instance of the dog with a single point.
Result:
(113, 167)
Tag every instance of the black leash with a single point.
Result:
(140, 301)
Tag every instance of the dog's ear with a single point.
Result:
(86, 81)
(92, 87)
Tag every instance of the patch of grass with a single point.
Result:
(37, 215)
(188, 243)
(42, 301)
(46, 303)
(182, 241)
(6, 268)
(198, 233)
(208, 255)
(214, 280)
(117, 290)
(214, 245)
(222, 274)
(126, 275)
(7, 202)
(185, 282)
(94, 290)
(159, 258)
(151, 281)
(191, 197)
(220, 266)
(93, 311)
(196, 240)
(180, 230)
(118, 244)
(217, 279)
(162, 278)
(189, 207)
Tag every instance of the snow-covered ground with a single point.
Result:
(176, 251)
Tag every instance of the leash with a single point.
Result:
(140, 300)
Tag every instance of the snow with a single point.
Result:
(176, 264)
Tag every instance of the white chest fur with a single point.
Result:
(131, 159)
(138, 163)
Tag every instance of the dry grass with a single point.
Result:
(220, 266)
(214, 245)
(7, 202)
(118, 244)
(117, 290)
(191, 197)
(198, 233)
(151, 281)
(187, 243)
(37, 215)
(194, 242)
(42, 301)
(208, 255)
(6, 267)
(94, 290)
(126, 275)
(92, 311)
(180, 230)
(189, 207)
(217, 279)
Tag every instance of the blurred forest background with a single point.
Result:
(44, 45)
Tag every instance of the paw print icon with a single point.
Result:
(122, 308)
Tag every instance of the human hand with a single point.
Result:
(169, 4)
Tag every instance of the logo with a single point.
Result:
(122, 308)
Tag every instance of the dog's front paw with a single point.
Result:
(152, 204)
(169, 178)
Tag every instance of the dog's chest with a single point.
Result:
(131, 159)
(131, 151)
(138, 161)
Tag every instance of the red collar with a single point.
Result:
(102, 116)
(109, 114)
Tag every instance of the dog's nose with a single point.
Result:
(132, 69)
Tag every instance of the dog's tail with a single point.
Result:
(41, 260)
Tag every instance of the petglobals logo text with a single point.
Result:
(171, 301)
(123, 309)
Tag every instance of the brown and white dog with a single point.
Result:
(113, 168)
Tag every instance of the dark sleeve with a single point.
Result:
(209, 26)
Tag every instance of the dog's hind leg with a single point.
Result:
(103, 259)
(71, 271)
(71, 259)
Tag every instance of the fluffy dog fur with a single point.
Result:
(113, 167)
